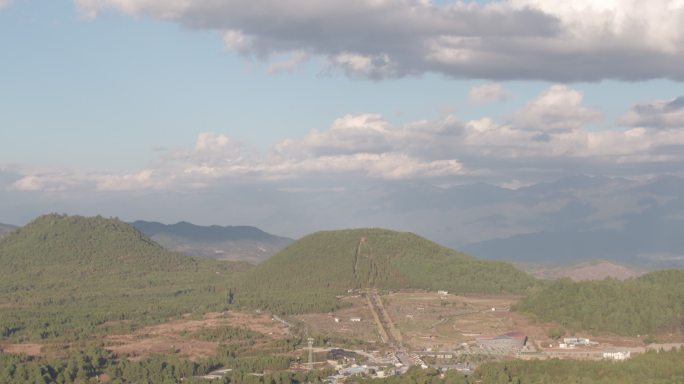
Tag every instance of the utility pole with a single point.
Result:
(311, 362)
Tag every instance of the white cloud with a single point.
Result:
(28, 183)
(547, 136)
(657, 114)
(487, 93)
(558, 108)
(293, 61)
(145, 179)
(584, 40)
(376, 67)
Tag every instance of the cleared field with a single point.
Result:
(426, 319)
(324, 324)
(176, 336)
(430, 320)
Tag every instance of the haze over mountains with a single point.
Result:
(583, 218)
(5, 229)
(225, 243)
(566, 221)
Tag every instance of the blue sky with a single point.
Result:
(96, 93)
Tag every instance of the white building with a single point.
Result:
(618, 355)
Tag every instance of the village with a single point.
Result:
(440, 331)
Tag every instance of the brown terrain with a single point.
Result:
(174, 337)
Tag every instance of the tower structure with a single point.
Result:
(310, 340)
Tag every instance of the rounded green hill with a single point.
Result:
(309, 274)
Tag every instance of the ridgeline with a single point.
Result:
(309, 274)
(66, 276)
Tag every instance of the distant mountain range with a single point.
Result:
(237, 243)
(587, 218)
(5, 229)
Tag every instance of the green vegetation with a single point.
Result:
(309, 274)
(93, 364)
(69, 277)
(649, 304)
(650, 367)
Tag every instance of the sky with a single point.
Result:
(265, 112)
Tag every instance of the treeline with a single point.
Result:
(307, 275)
(649, 304)
(98, 365)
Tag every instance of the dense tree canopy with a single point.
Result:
(66, 276)
(648, 304)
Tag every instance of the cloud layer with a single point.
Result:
(584, 40)
(547, 138)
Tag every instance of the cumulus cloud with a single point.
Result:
(558, 108)
(659, 114)
(547, 136)
(487, 93)
(583, 40)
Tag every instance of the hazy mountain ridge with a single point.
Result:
(237, 243)
(308, 275)
(594, 218)
(5, 229)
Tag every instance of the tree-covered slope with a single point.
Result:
(237, 243)
(65, 275)
(307, 275)
(648, 304)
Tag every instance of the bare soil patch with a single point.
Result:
(30, 349)
(176, 336)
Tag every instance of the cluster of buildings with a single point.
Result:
(572, 342)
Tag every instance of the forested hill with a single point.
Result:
(307, 275)
(225, 243)
(75, 245)
(64, 275)
(652, 303)
(6, 229)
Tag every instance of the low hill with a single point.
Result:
(5, 229)
(237, 243)
(307, 275)
(63, 276)
(587, 270)
(652, 303)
